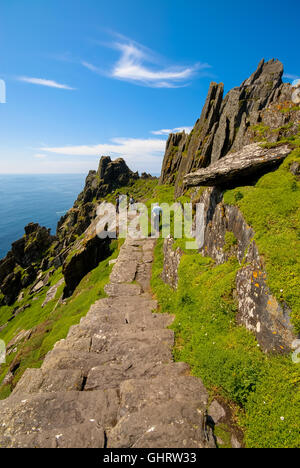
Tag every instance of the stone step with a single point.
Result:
(112, 374)
(111, 337)
(138, 353)
(124, 271)
(57, 412)
(132, 341)
(139, 393)
(40, 381)
(113, 290)
(113, 320)
(172, 424)
(144, 300)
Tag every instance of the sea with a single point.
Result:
(40, 199)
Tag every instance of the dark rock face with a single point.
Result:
(229, 124)
(82, 262)
(237, 167)
(19, 268)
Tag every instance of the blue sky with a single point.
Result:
(91, 77)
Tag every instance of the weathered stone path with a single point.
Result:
(112, 382)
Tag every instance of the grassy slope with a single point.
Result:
(51, 323)
(226, 356)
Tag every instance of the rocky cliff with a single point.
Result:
(76, 245)
(260, 108)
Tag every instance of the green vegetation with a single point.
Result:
(230, 241)
(141, 190)
(51, 323)
(293, 141)
(260, 131)
(272, 209)
(285, 110)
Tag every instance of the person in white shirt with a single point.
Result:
(156, 216)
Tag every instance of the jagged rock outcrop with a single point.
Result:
(110, 176)
(246, 114)
(240, 167)
(19, 268)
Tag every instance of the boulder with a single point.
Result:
(216, 412)
(253, 160)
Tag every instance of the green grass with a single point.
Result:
(52, 322)
(230, 241)
(141, 190)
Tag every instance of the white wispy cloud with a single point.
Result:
(139, 65)
(43, 82)
(167, 131)
(140, 154)
(290, 76)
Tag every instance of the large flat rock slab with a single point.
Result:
(250, 161)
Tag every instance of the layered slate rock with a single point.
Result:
(228, 123)
(112, 382)
(237, 167)
(172, 259)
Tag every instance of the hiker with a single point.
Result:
(117, 204)
(156, 215)
(131, 203)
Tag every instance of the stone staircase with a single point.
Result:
(112, 383)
